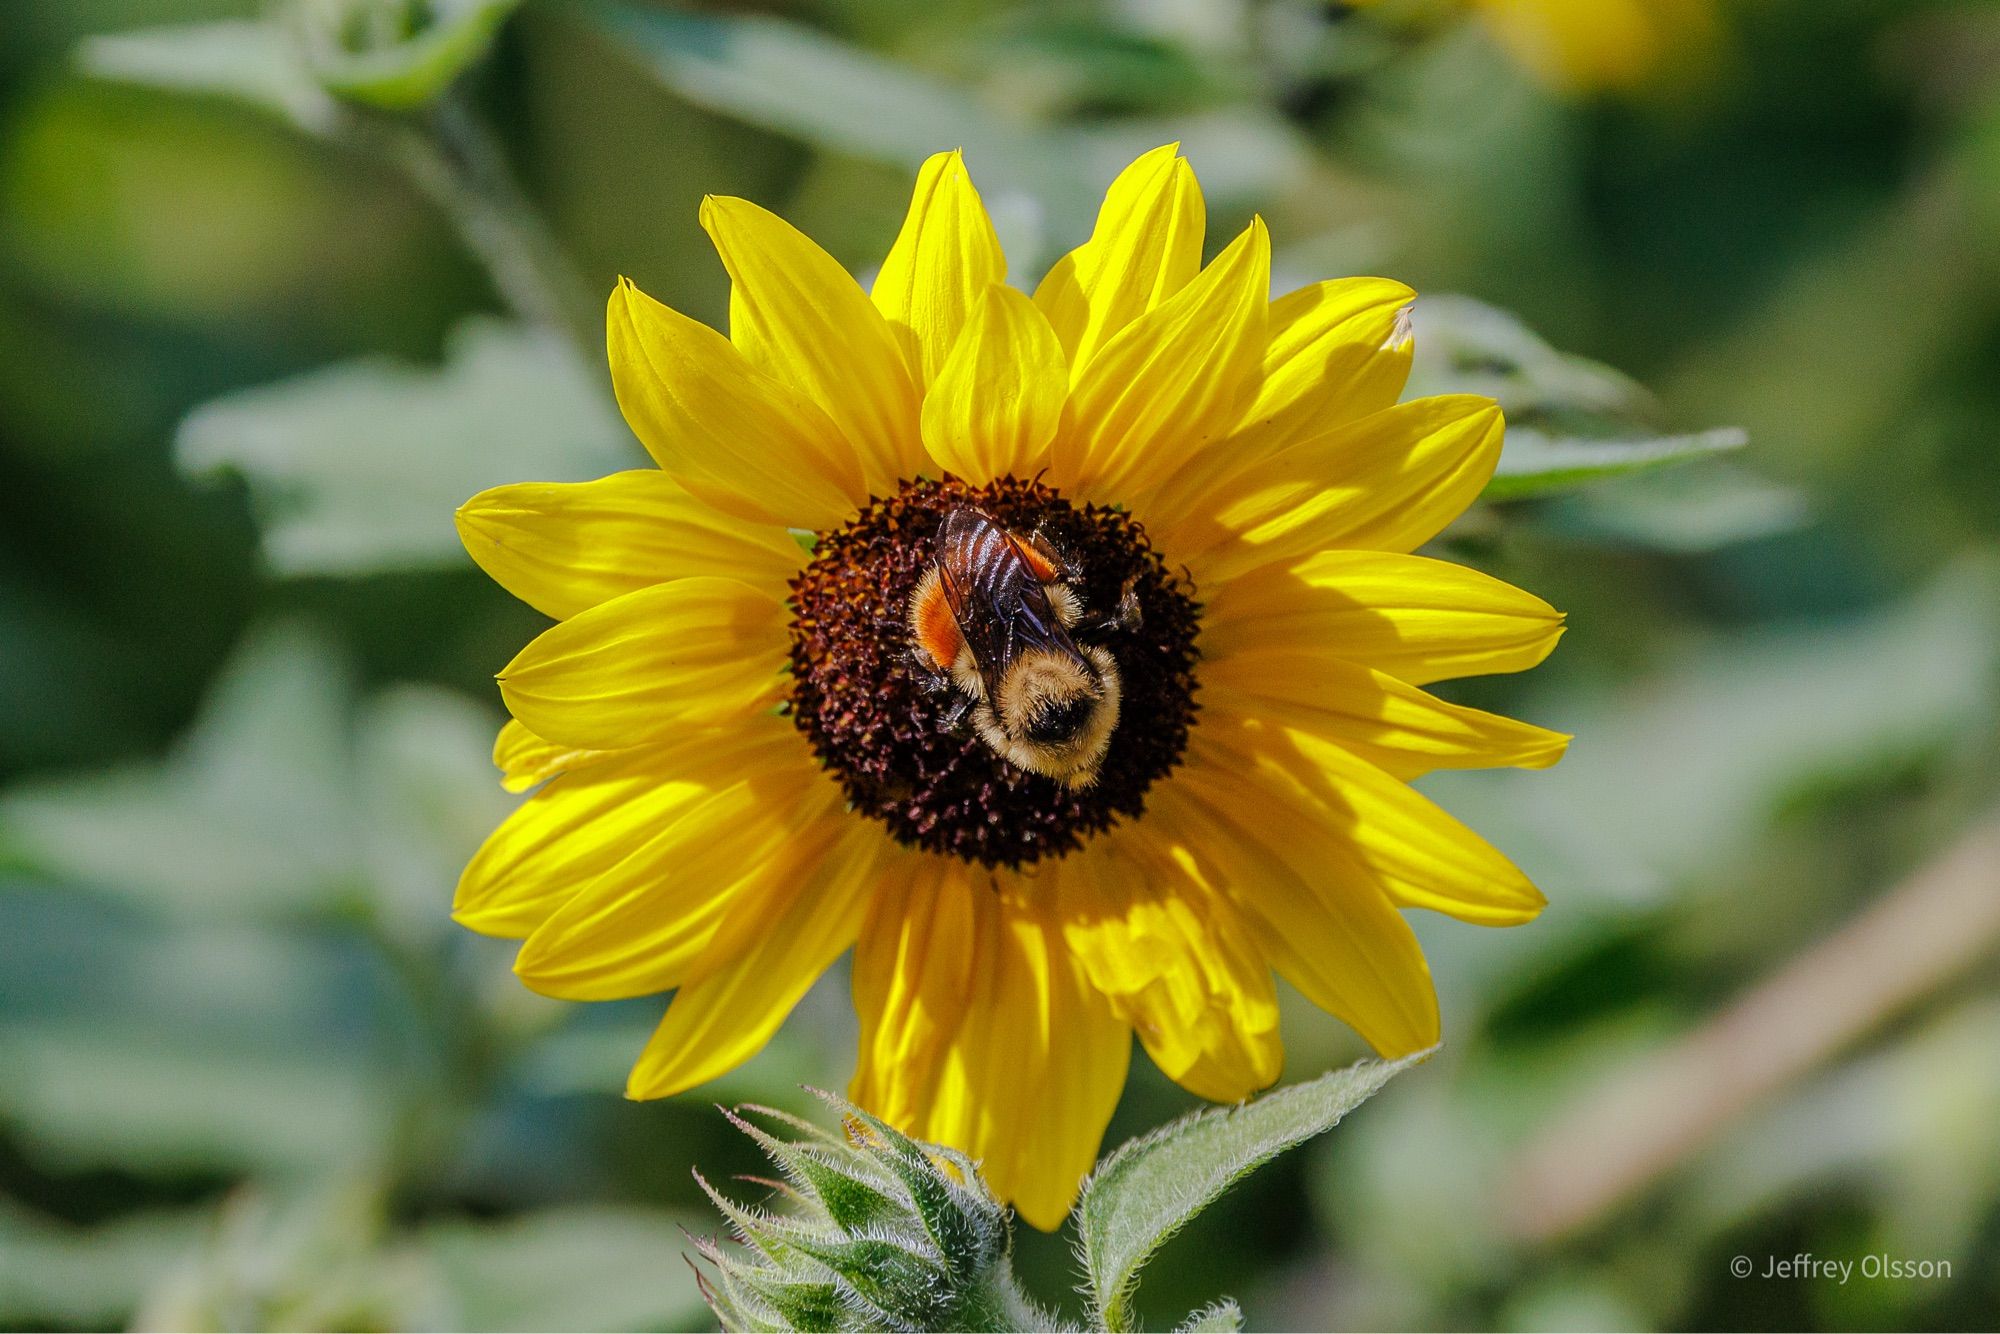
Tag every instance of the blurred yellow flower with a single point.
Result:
(960, 735)
(1582, 45)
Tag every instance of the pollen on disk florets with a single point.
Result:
(858, 696)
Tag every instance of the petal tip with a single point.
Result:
(650, 1085)
(1527, 912)
(492, 920)
(1402, 326)
(531, 966)
(723, 208)
(618, 308)
(465, 521)
(471, 919)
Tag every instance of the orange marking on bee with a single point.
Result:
(935, 628)
(1037, 562)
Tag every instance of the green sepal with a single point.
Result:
(830, 1182)
(908, 1289)
(800, 1304)
(1219, 1317)
(967, 1227)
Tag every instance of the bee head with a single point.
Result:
(1045, 693)
(1059, 720)
(1054, 712)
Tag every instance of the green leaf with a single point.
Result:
(1534, 464)
(580, 1267)
(357, 468)
(1691, 511)
(426, 797)
(1468, 347)
(256, 63)
(1570, 421)
(84, 1094)
(250, 815)
(284, 799)
(1152, 1186)
(788, 77)
(399, 54)
(56, 1274)
(798, 81)
(292, 1257)
(393, 54)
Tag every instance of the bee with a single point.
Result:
(992, 620)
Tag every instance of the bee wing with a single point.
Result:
(995, 595)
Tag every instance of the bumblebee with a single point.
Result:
(992, 620)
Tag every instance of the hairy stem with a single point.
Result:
(455, 160)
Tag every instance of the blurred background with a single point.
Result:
(280, 288)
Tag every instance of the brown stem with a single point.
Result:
(1643, 1120)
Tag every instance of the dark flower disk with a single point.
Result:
(858, 696)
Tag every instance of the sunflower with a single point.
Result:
(746, 765)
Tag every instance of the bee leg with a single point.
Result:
(953, 717)
(935, 683)
(1128, 616)
(930, 679)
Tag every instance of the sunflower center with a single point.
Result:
(915, 755)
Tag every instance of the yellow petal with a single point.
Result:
(1329, 931)
(1170, 383)
(1361, 819)
(587, 821)
(943, 261)
(1394, 726)
(778, 937)
(1338, 351)
(525, 759)
(979, 1031)
(1145, 247)
(1389, 482)
(641, 925)
(799, 317)
(998, 400)
(1177, 963)
(1419, 620)
(564, 547)
(913, 974)
(739, 439)
(692, 653)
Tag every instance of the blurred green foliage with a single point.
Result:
(260, 333)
